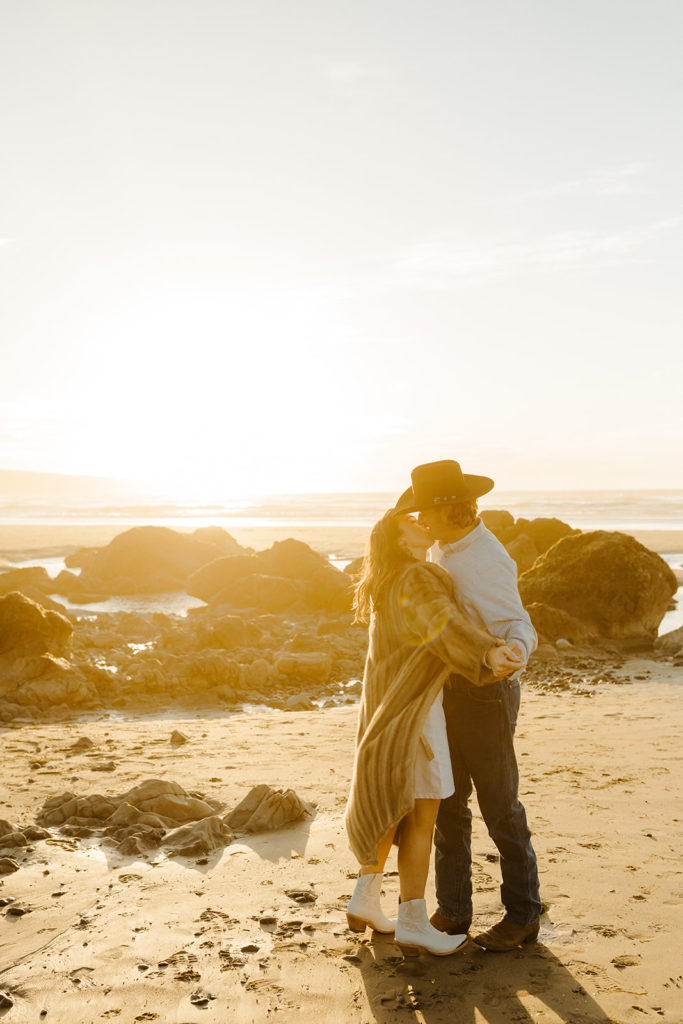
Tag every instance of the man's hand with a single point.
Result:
(505, 659)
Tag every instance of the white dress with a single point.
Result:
(434, 776)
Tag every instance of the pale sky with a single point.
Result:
(301, 246)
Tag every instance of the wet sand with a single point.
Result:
(125, 939)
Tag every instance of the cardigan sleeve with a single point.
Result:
(431, 618)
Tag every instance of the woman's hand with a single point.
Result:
(503, 660)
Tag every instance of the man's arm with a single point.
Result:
(500, 606)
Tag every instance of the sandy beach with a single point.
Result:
(256, 930)
(128, 939)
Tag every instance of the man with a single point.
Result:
(481, 720)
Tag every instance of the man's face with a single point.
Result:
(433, 520)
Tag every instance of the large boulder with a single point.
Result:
(523, 551)
(34, 576)
(28, 630)
(555, 624)
(150, 559)
(210, 579)
(265, 593)
(292, 559)
(542, 532)
(607, 580)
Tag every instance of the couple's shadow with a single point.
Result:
(472, 986)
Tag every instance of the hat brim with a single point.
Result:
(475, 487)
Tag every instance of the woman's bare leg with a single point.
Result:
(382, 854)
(415, 847)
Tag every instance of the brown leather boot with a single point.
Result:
(445, 924)
(506, 935)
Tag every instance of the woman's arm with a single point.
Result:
(432, 618)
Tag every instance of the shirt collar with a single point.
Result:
(464, 542)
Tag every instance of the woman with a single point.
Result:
(418, 637)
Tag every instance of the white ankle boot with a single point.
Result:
(364, 908)
(414, 932)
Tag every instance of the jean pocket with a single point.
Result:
(489, 694)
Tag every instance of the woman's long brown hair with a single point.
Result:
(384, 558)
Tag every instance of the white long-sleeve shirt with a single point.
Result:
(485, 579)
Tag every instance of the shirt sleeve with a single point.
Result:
(433, 619)
(501, 606)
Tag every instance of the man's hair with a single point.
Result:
(461, 513)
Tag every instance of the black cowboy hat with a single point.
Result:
(441, 483)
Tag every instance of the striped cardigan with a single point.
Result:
(418, 639)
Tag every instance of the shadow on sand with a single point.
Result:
(472, 987)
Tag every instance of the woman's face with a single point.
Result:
(414, 536)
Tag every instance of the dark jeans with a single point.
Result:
(481, 727)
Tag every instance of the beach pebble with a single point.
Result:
(83, 743)
(301, 895)
(17, 911)
(625, 961)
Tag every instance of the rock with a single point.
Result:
(498, 521)
(136, 840)
(553, 623)
(256, 674)
(563, 645)
(265, 593)
(298, 702)
(6, 1001)
(27, 630)
(68, 808)
(607, 580)
(671, 642)
(210, 579)
(208, 669)
(147, 559)
(71, 586)
(47, 682)
(227, 632)
(7, 867)
(314, 667)
(544, 653)
(330, 589)
(220, 539)
(292, 559)
(34, 576)
(544, 532)
(355, 567)
(178, 738)
(524, 552)
(81, 744)
(13, 841)
(200, 838)
(263, 809)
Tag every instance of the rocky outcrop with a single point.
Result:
(150, 559)
(288, 574)
(554, 624)
(670, 643)
(34, 577)
(264, 808)
(27, 630)
(525, 539)
(161, 813)
(34, 673)
(615, 586)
